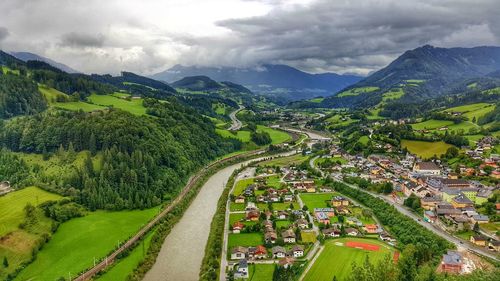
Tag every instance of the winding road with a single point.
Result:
(236, 122)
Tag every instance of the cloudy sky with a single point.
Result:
(357, 36)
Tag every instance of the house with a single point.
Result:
(331, 232)
(452, 262)
(241, 271)
(430, 216)
(288, 198)
(302, 224)
(288, 236)
(371, 228)
(384, 236)
(352, 231)
(480, 219)
(494, 245)
(237, 227)
(251, 207)
(311, 189)
(426, 168)
(273, 198)
(430, 203)
(297, 251)
(239, 253)
(443, 209)
(257, 253)
(479, 240)
(253, 215)
(282, 215)
(239, 200)
(338, 201)
(322, 218)
(329, 212)
(278, 252)
(270, 237)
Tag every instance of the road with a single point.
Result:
(236, 122)
(409, 213)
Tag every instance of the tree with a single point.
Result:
(5, 262)
(92, 144)
(305, 208)
(476, 227)
(408, 263)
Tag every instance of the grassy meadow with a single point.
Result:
(133, 106)
(357, 91)
(284, 161)
(245, 239)
(77, 242)
(317, 200)
(261, 272)
(425, 149)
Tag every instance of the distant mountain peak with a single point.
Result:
(27, 56)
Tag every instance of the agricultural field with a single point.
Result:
(133, 106)
(285, 161)
(277, 136)
(12, 206)
(308, 236)
(471, 111)
(243, 136)
(98, 233)
(125, 266)
(261, 272)
(336, 259)
(79, 105)
(245, 239)
(317, 200)
(278, 206)
(340, 120)
(357, 91)
(425, 149)
(431, 124)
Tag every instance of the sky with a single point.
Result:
(149, 36)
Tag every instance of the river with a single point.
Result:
(182, 252)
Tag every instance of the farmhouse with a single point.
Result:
(237, 227)
(257, 253)
(270, 237)
(452, 262)
(297, 251)
(331, 232)
(253, 215)
(371, 228)
(352, 231)
(461, 201)
(302, 224)
(288, 236)
(239, 200)
(278, 252)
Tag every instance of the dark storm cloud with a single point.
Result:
(82, 40)
(363, 34)
(4, 32)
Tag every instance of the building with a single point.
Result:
(430, 216)
(494, 245)
(452, 262)
(371, 228)
(479, 240)
(461, 201)
(288, 236)
(430, 203)
(278, 252)
(237, 227)
(427, 168)
(338, 201)
(331, 232)
(480, 219)
(239, 253)
(257, 253)
(241, 271)
(297, 251)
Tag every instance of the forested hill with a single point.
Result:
(129, 160)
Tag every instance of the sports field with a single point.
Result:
(425, 149)
(77, 242)
(12, 206)
(337, 258)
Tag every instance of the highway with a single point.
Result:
(236, 123)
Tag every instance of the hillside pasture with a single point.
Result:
(431, 124)
(394, 94)
(51, 95)
(78, 241)
(474, 110)
(357, 91)
(285, 161)
(133, 106)
(336, 259)
(425, 149)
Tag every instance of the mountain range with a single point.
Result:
(26, 56)
(280, 81)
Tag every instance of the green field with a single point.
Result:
(277, 136)
(393, 94)
(245, 239)
(79, 105)
(261, 272)
(285, 161)
(337, 260)
(278, 206)
(241, 185)
(317, 200)
(425, 149)
(12, 206)
(357, 91)
(76, 243)
(6, 69)
(308, 236)
(133, 106)
(125, 266)
(317, 100)
(51, 94)
(340, 120)
(431, 124)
